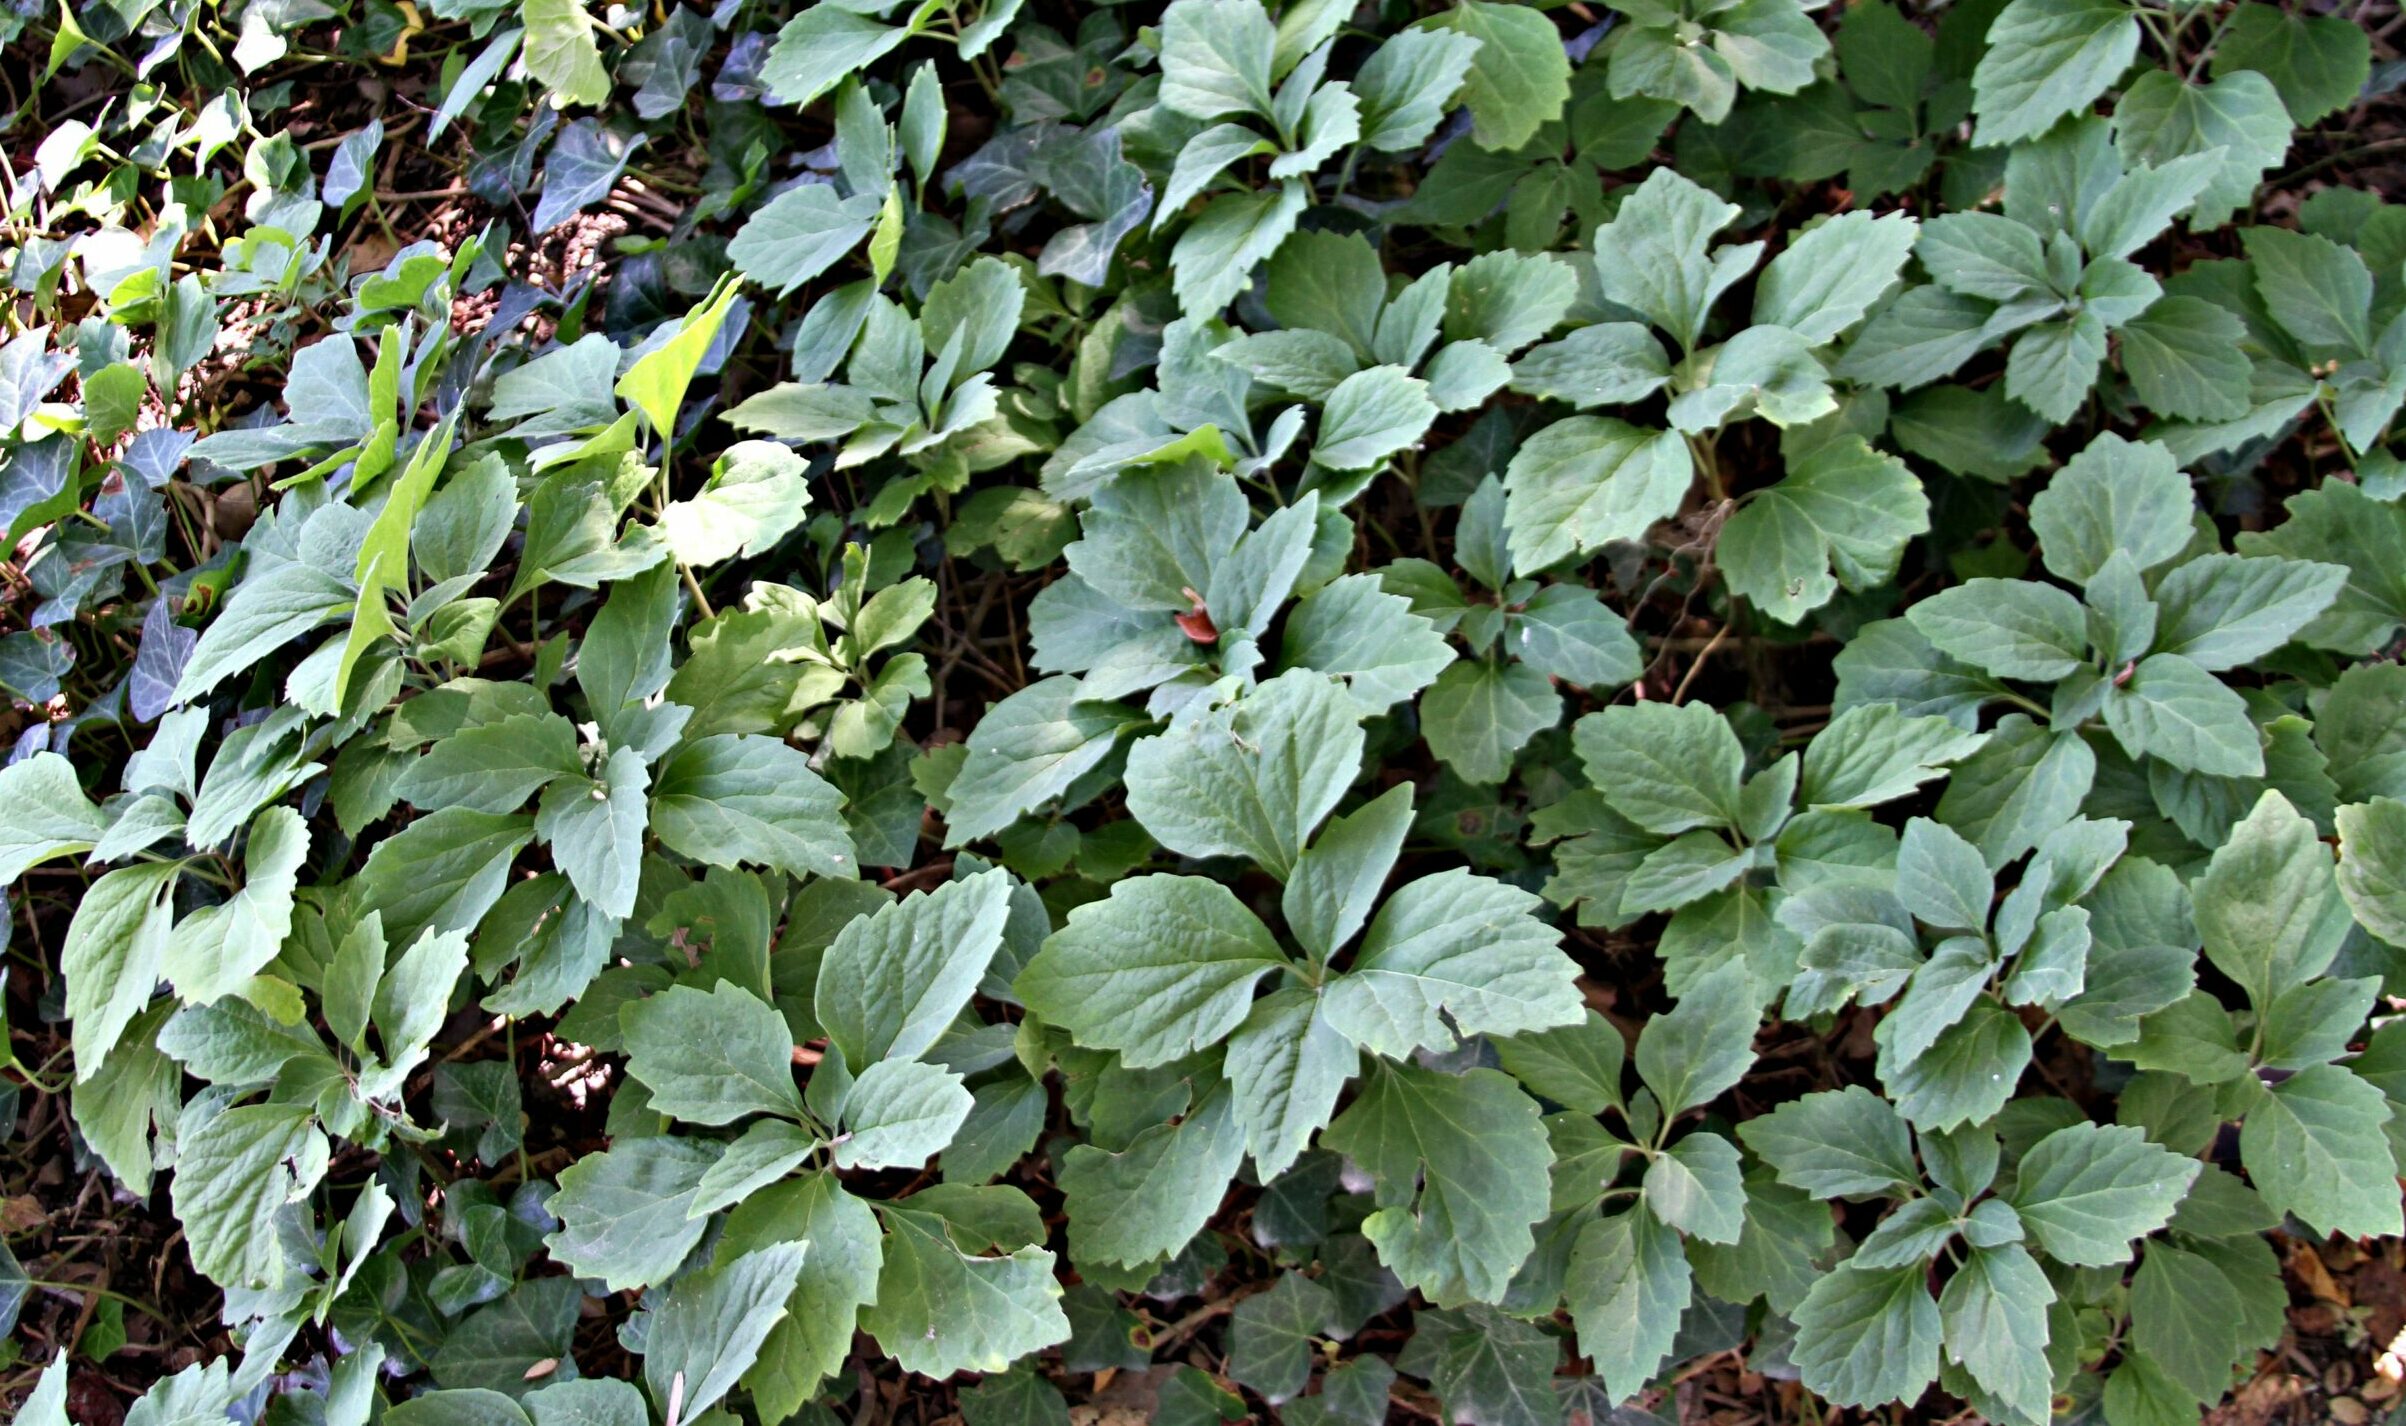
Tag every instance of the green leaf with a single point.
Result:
(2172, 710)
(807, 229)
(1831, 275)
(2046, 59)
(736, 797)
(1872, 753)
(1214, 258)
(1577, 1066)
(893, 981)
(1370, 416)
(1608, 364)
(2235, 124)
(839, 1275)
(1027, 750)
(2267, 906)
(1468, 946)
(1666, 767)
(214, 951)
(1163, 967)
(561, 52)
(1659, 264)
(940, 1310)
(2338, 522)
(2013, 628)
(493, 767)
(899, 1114)
(595, 828)
(1478, 715)
(1408, 82)
(2183, 358)
(1866, 1337)
(234, 1173)
(1696, 1051)
(1994, 1311)
(1580, 484)
(2087, 1191)
(753, 498)
(113, 954)
(43, 814)
(1628, 1284)
(1338, 878)
(1698, 1187)
(2372, 866)
(819, 47)
(2221, 611)
(1286, 1066)
(1459, 1163)
(266, 611)
(1520, 78)
(1842, 517)
(1143, 1204)
(623, 1212)
(1839, 1143)
(711, 1056)
(2314, 1146)
(707, 1331)
(2319, 292)
(1215, 58)
(2318, 63)
(1251, 778)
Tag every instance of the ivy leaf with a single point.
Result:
(1163, 967)
(1460, 1167)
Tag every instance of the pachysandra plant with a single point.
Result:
(1455, 711)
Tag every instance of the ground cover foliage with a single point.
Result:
(863, 712)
